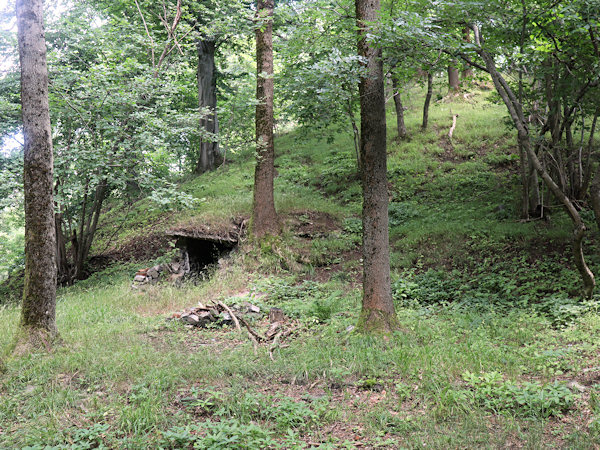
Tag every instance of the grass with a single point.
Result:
(126, 370)
(494, 347)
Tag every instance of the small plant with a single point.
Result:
(88, 438)
(352, 225)
(225, 434)
(371, 384)
(291, 414)
(562, 311)
(552, 362)
(205, 401)
(323, 308)
(401, 212)
(528, 399)
(404, 391)
(232, 434)
(178, 437)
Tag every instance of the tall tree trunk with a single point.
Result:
(377, 306)
(399, 109)
(427, 100)
(39, 294)
(210, 156)
(453, 82)
(467, 73)
(264, 217)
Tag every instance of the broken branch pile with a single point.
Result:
(220, 314)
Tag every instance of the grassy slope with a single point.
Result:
(472, 294)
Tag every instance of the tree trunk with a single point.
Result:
(595, 196)
(210, 156)
(399, 109)
(86, 237)
(515, 110)
(453, 82)
(39, 294)
(524, 169)
(467, 73)
(427, 100)
(378, 313)
(264, 217)
(62, 260)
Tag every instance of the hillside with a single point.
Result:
(496, 348)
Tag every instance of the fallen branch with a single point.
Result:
(230, 312)
(451, 132)
(254, 342)
(274, 345)
(253, 333)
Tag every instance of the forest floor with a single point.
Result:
(496, 349)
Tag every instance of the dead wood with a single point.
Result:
(453, 127)
(230, 312)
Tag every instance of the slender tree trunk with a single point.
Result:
(453, 81)
(264, 216)
(39, 295)
(588, 169)
(427, 100)
(377, 306)
(467, 73)
(62, 260)
(210, 156)
(86, 237)
(595, 196)
(399, 109)
(355, 137)
(516, 113)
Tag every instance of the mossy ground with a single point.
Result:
(476, 291)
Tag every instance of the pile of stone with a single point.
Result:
(172, 272)
(202, 316)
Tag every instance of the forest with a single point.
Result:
(252, 224)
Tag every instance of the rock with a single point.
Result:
(276, 315)
(252, 309)
(576, 386)
(205, 317)
(349, 328)
(153, 273)
(176, 277)
(225, 317)
(140, 278)
(190, 319)
(175, 267)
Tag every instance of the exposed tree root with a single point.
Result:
(374, 321)
(30, 340)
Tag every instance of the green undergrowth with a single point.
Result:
(124, 377)
(494, 349)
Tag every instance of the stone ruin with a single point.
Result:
(199, 249)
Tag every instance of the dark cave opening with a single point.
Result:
(200, 253)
